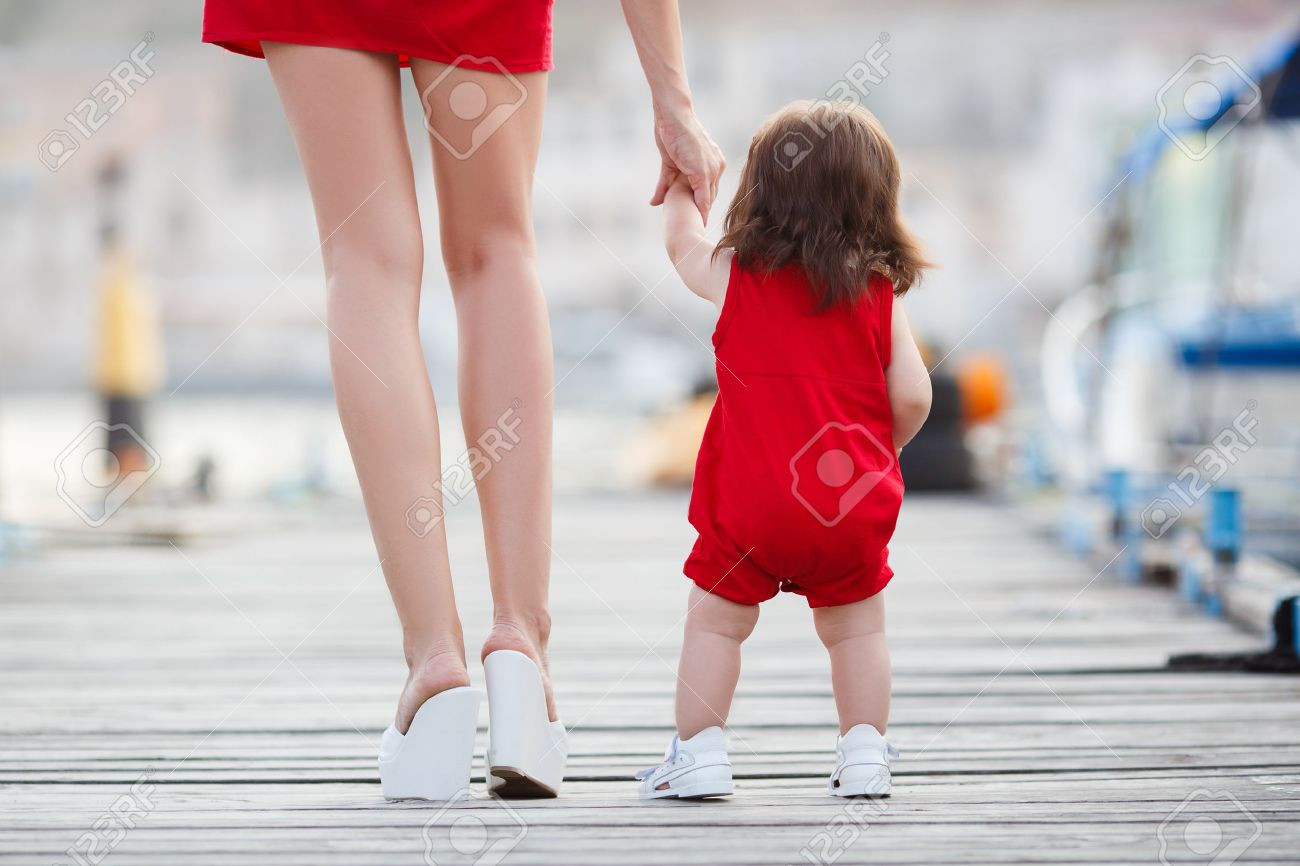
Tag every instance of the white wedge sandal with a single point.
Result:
(432, 760)
(526, 750)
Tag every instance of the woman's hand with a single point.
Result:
(684, 146)
(687, 150)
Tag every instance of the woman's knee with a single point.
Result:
(374, 276)
(469, 253)
(397, 258)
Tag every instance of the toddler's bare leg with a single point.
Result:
(710, 663)
(854, 635)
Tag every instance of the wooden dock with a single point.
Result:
(221, 703)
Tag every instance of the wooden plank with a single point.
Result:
(1036, 720)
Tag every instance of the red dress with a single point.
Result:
(797, 486)
(494, 35)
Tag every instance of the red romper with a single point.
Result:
(797, 486)
(494, 35)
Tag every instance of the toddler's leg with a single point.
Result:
(854, 635)
(710, 663)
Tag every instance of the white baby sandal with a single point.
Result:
(862, 768)
(691, 770)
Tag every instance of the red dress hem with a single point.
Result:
(250, 45)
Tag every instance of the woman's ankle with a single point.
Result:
(434, 666)
(433, 644)
(429, 674)
(527, 633)
(436, 662)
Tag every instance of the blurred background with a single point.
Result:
(1109, 188)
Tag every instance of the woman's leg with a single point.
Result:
(485, 188)
(710, 664)
(854, 635)
(345, 111)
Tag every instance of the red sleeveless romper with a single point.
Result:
(797, 486)
(493, 35)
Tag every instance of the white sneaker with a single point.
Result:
(863, 764)
(691, 769)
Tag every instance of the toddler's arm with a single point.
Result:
(690, 249)
(907, 381)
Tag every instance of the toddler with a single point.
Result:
(820, 384)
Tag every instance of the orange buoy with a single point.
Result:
(982, 380)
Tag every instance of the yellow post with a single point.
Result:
(130, 361)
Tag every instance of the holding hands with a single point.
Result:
(684, 147)
(688, 152)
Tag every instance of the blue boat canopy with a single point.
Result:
(1275, 71)
(1245, 337)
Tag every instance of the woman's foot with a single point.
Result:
(429, 676)
(529, 640)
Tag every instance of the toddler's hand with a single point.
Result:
(679, 204)
(688, 246)
(681, 186)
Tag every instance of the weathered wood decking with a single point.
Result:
(1035, 721)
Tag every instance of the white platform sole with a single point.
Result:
(432, 760)
(527, 752)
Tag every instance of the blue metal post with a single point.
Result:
(1223, 527)
(1223, 538)
(1123, 528)
(1189, 580)
(1295, 624)
(1117, 489)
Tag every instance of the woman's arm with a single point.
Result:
(907, 381)
(684, 146)
(689, 248)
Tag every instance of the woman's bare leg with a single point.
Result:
(345, 111)
(485, 188)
